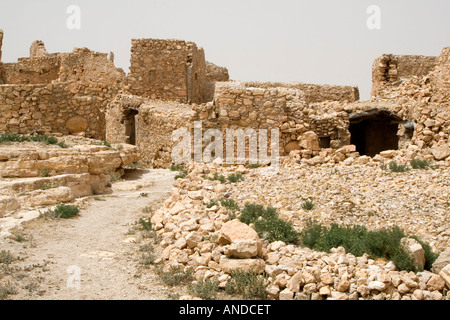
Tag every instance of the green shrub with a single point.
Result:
(146, 224)
(232, 178)
(176, 168)
(62, 211)
(249, 285)
(62, 144)
(395, 167)
(14, 137)
(383, 243)
(420, 164)
(182, 171)
(308, 205)
(253, 211)
(230, 204)
(254, 165)
(211, 203)
(44, 173)
(175, 276)
(181, 175)
(217, 177)
(276, 230)
(105, 143)
(267, 223)
(6, 257)
(205, 289)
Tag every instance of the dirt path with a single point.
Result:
(94, 256)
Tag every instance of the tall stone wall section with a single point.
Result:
(167, 70)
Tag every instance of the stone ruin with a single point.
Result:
(83, 98)
(170, 85)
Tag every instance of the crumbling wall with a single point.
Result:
(314, 92)
(116, 116)
(36, 70)
(167, 70)
(88, 66)
(214, 74)
(65, 107)
(441, 77)
(390, 70)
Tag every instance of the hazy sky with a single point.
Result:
(321, 41)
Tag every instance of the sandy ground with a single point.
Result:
(94, 255)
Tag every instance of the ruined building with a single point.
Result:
(170, 85)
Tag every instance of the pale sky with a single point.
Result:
(321, 41)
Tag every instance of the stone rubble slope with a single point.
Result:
(208, 241)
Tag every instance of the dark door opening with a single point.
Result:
(373, 132)
(130, 126)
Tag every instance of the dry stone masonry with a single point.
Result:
(333, 149)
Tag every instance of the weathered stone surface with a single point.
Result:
(76, 125)
(445, 274)
(441, 152)
(415, 250)
(234, 231)
(249, 265)
(441, 261)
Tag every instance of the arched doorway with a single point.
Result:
(374, 131)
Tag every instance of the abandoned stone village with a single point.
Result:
(337, 152)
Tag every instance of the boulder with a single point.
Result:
(76, 125)
(415, 250)
(309, 140)
(441, 152)
(441, 261)
(445, 274)
(247, 265)
(241, 237)
(242, 249)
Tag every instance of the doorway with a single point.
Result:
(131, 126)
(374, 131)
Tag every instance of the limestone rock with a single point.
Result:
(249, 265)
(235, 231)
(441, 261)
(445, 274)
(243, 249)
(310, 141)
(441, 152)
(415, 250)
(76, 125)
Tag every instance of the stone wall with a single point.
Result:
(80, 65)
(167, 70)
(66, 107)
(314, 92)
(214, 74)
(390, 70)
(152, 122)
(36, 70)
(441, 77)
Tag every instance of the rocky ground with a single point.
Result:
(95, 255)
(367, 194)
(194, 231)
